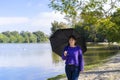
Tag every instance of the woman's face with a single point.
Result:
(72, 41)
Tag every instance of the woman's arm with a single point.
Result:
(81, 60)
(64, 54)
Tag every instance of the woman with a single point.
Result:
(74, 59)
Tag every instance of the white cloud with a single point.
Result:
(45, 19)
(13, 20)
(42, 22)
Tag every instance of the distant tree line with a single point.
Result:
(23, 37)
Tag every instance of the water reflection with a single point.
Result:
(56, 59)
(95, 56)
(28, 62)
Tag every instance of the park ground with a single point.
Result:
(108, 69)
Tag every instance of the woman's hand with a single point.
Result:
(65, 53)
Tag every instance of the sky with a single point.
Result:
(27, 15)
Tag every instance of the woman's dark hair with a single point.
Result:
(73, 37)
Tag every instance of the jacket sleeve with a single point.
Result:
(64, 57)
(81, 60)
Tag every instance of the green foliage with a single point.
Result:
(108, 29)
(57, 77)
(32, 38)
(89, 36)
(98, 22)
(26, 36)
(66, 6)
(56, 25)
(41, 37)
(115, 18)
(13, 39)
(7, 33)
(22, 37)
(3, 38)
(74, 7)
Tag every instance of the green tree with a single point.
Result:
(3, 38)
(33, 38)
(56, 25)
(20, 39)
(41, 37)
(14, 33)
(89, 21)
(92, 14)
(73, 8)
(13, 39)
(26, 36)
(7, 33)
(115, 18)
(17, 36)
(108, 29)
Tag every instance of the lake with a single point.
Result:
(37, 61)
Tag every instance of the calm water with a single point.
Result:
(36, 61)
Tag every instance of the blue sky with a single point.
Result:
(27, 15)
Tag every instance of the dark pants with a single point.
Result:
(72, 72)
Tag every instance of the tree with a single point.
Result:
(3, 38)
(13, 39)
(33, 38)
(20, 39)
(41, 37)
(14, 33)
(56, 25)
(72, 8)
(26, 36)
(89, 21)
(23, 37)
(115, 18)
(107, 28)
(7, 33)
(92, 14)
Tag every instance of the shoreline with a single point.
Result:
(108, 70)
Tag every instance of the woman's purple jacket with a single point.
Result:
(74, 57)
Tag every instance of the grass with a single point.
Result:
(57, 77)
(100, 63)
